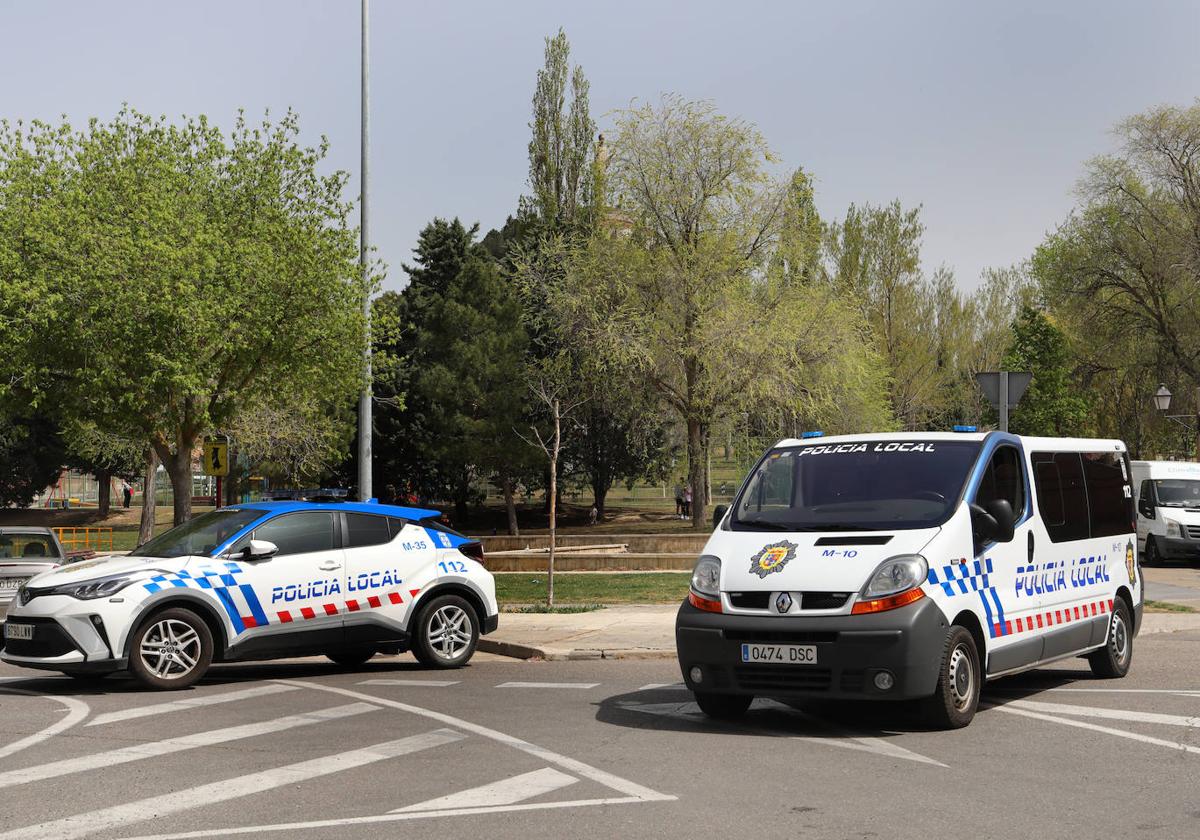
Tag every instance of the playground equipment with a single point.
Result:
(83, 538)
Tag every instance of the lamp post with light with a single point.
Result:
(1191, 422)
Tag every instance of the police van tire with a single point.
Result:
(447, 633)
(956, 698)
(1113, 660)
(723, 706)
(351, 657)
(188, 644)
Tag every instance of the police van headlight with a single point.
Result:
(706, 576)
(896, 574)
(1174, 529)
(88, 590)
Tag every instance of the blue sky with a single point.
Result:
(984, 113)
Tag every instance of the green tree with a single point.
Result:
(167, 275)
(104, 456)
(1052, 404)
(32, 454)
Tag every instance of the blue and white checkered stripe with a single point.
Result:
(237, 599)
(961, 578)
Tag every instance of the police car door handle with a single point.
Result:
(1031, 546)
(329, 566)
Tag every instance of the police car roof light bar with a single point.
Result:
(806, 435)
(965, 429)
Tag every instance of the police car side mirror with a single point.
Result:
(719, 513)
(260, 550)
(994, 521)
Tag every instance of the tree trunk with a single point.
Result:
(510, 506)
(179, 468)
(553, 501)
(599, 494)
(696, 472)
(103, 493)
(146, 531)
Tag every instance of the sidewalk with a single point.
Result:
(648, 632)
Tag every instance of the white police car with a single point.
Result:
(261, 581)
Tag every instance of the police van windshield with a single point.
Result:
(1178, 492)
(199, 536)
(858, 486)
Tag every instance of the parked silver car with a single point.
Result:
(25, 551)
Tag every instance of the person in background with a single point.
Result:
(679, 498)
(593, 515)
(687, 501)
(126, 493)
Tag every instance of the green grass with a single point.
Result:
(592, 589)
(542, 608)
(1167, 606)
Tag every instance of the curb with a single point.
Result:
(516, 650)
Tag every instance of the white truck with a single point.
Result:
(1168, 510)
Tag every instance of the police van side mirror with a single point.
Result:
(719, 513)
(994, 521)
(260, 550)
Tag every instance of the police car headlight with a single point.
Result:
(706, 577)
(1174, 529)
(88, 590)
(896, 574)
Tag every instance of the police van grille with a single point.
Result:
(1193, 531)
(808, 600)
(49, 639)
(782, 678)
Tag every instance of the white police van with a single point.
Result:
(1168, 507)
(261, 581)
(904, 566)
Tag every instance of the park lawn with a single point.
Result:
(594, 587)
(1167, 607)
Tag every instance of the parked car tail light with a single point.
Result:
(474, 550)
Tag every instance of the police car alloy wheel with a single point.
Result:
(447, 632)
(1113, 660)
(956, 698)
(171, 649)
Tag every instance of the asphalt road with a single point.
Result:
(513, 749)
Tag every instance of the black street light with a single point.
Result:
(1191, 422)
(1162, 398)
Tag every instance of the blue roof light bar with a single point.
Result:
(965, 429)
(807, 435)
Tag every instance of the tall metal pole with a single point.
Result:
(364, 399)
(1003, 399)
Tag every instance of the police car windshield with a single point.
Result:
(1178, 492)
(199, 536)
(858, 486)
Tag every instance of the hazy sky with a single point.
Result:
(982, 112)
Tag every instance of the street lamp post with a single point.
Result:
(1162, 401)
(364, 398)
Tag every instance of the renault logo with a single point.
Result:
(783, 602)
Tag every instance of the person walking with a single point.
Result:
(687, 501)
(126, 493)
(679, 499)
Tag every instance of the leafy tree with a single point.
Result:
(1052, 404)
(167, 275)
(32, 455)
(104, 456)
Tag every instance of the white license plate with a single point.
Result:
(18, 631)
(780, 654)
(12, 584)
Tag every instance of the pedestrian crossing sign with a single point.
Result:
(216, 456)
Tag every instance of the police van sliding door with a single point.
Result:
(1086, 505)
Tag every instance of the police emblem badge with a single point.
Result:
(772, 558)
(1130, 563)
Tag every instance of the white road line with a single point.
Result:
(1120, 733)
(1190, 692)
(1107, 714)
(429, 683)
(387, 818)
(504, 792)
(157, 807)
(77, 710)
(541, 753)
(653, 686)
(546, 685)
(135, 752)
(190, 703)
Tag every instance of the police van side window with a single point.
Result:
(1062, 495)
(1003, 479)
(364, 529)
(299, 533)
(1110, 499)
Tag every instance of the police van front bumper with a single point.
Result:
(851, 650)
(1178, 549)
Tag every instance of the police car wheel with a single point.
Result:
(351, 657)
(171, 649)
(447, 632)
(956, 698)
(723, 706)
(1113, 660)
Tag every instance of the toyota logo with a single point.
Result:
(783, 602)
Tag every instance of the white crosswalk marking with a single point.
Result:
(546, 685)
(1107, 730)
(1108, 714)
(107, 819)
(504, 792)
(190, 703)
(429, 683)
(654, 686)
(135, 752)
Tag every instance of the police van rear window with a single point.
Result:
(1082, 494)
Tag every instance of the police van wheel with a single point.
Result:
(1113, 660)
(447, 632)
(171, 649)
(723, 706)
(351, 657)
(953, 704)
